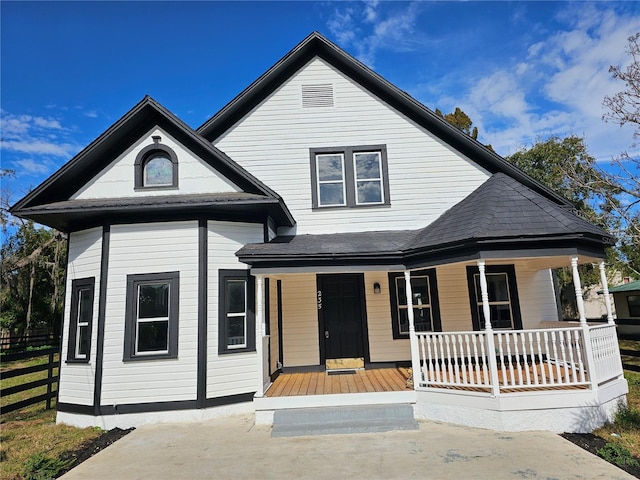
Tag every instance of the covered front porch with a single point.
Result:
(469, 302)
(494, 378)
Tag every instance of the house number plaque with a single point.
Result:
(319, 299)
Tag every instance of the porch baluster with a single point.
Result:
(545, 365)
(574, 374)
(534, 366)
(554, 345)
(563, 347)
(491, 346)
(413, 340)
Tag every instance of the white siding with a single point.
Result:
(272, 142)
(118, 180)
(382, 346)
(77, 380)
(453, 294)
(300, 321)
(151, 248)
(537, 296)
(233, 373)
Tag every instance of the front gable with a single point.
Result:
(105, 181)
(118, 179)
(319, 114)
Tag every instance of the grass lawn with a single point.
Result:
(625, 431)
(30, 436)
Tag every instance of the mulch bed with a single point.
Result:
(88, 450)
(592, 443)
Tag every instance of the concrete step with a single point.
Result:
(341, 420)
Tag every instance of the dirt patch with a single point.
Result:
(88, 450)
(592, 443)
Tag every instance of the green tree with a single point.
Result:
(565, 166)
(462, 122)
(623, 108)
(32, 268)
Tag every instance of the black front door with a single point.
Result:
(340, 312)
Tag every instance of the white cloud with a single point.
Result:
(369, 29)
(558, 88)
(38, 147)
(91, 114)
(32, 167)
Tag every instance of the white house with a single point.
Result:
(322, 221)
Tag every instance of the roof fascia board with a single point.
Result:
(317, 45)
(143, 116)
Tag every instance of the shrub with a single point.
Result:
(618, 455)
(41, 467)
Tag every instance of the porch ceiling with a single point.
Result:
(500, 219)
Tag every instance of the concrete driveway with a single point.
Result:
(234, 448)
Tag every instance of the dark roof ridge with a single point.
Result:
(315, 44)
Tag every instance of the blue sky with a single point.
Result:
(521, 70)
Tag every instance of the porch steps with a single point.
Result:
(342, 420)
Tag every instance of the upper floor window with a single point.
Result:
(156, 167)
(349, 176)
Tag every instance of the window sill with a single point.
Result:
(78, 361)
(342, 207)
(143, 358)
(236, 350)
(146, 189)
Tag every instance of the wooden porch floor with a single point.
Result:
(392, 380)
(321, 383)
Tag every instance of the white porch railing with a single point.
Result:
(552, 358)
(606, 352)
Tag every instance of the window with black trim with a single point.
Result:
(81, 320)
(151, 322)
(503, 297)
(633, 302)
(426, 308)
(236, 304)
(349, 176)
(156, 167)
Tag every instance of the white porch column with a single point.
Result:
(578, 289)
(259, 335)
(488, 329)
(605, 292)
(415, 354)
(586, 332)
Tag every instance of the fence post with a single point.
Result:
(50, 379)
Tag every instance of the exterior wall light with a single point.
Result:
(376, 288)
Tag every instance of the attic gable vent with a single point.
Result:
(317, 95)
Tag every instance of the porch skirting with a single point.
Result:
(579, 411)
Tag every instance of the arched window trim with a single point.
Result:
(145, 154)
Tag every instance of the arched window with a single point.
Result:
(156, 167)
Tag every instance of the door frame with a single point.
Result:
(363, 314)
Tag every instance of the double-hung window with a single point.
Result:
(82, 295)
(151, 326)
(503, 297)
(349, 176)
(236, 312)
(424, 298)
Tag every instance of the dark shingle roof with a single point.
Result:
(501, 211)
(69, 214)
(502, 208)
